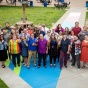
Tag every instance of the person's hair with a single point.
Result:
(31, 34)
(84, 27)
(6, 23)
(76, 22)
(54, 37)
(24, 36)
(58, 25)
(66, 28)
(1, 36)
(63, 33)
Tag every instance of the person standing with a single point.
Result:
(84, 51)
(42, 50)
(7, 28)
(47, 36)
(44, 28)
(76, 51)
(76, 29)
(64, 50)
(32, 49)
(14, 49)
(53, 48)
(83, 33)
(59, 28)
(3, 54)
(24, 49)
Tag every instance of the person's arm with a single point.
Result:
(19, 40)
(36, 44)
(78, 42)
(47, 48)
(26, 43)
(9, 45)
(69, 46)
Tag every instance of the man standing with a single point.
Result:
(76, 29)
(42, 50)
(32, 48)
(7, 28)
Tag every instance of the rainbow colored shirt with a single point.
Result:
(14, 46)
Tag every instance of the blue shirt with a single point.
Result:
(30, 42)
(42, 32)
(64, 45)
(3, 45)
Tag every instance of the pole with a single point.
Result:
(23, 5)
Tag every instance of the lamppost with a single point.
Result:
(24, 22)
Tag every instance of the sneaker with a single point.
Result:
(14, 65)
(45, 66)
(35, 65)
(78, 68)
(50, 65)
(65, 66)
(25, 65)
(54, 65)
(38, 66)
(28, 67)
(19, 65)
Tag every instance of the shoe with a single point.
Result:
(78, 68)
(83, 67)
(19, 65)
(3, 66)
(35, 65)
(66, 66)
(25, 65)
(14, 65)
(38, 66)
(45, 66)
(28, 67)
(50, 65)
(54, 65)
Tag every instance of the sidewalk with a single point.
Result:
(11, 79)
(71, 77)
(70, 17)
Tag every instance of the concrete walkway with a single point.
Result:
(71, 77)
(81, 19)
(11, 79)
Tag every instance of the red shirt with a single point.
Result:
(76, 30)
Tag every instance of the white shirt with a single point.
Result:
(46, 37)
(45, 29)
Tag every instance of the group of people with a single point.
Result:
(39, 42)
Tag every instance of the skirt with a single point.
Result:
(3, 55)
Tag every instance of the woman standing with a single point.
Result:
(24, 49)
(83, 33)
(53, 49)
(14, 49)
(66, 31)
(64, 50)
(3, 54)
(59, 28)
(84, 51)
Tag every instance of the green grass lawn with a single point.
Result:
(86, 15)
(2, 84)
(36, 15)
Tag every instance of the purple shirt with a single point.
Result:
(56, 30)
(42, 44)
